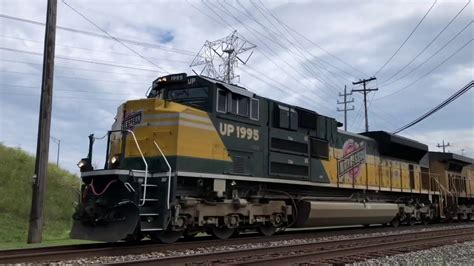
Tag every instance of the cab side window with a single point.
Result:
(221, 101)
(227, 102)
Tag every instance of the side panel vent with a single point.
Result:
(239, 164)
(287, 145)
(289, 169)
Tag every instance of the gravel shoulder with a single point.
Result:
(457, 254)
(263, 243)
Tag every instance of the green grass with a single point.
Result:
(16, 171)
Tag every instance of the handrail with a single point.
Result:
(169, 173)
(146, 167)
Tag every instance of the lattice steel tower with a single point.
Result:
(221, 57)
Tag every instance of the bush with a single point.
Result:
(16, 171)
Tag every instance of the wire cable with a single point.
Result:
(409, 36)
(427, 46)
(453, 97)
(427, 73)
(114, 38)
(135, 42)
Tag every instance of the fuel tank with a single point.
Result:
(327, 213)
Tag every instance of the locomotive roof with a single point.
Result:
(398, 146)
(451, 157)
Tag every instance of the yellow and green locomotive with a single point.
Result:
(200, 155)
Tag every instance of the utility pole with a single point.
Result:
(365, 91)
(35, 230)
(58, 141)
(462, 151)
(345, 102)
(443, 146)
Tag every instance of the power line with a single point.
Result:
(276, 40)
(365, 91)
(90, 49)
(114, 38)
(68, 77)
(263, 53)
(312, 42)
(72, 90)
(438, 107)
(135, 42)
(428, 45)
(409, 36)
(63, 97)
(297, 45)
(429, 58)
(427, 73)
(79, 60)
(345, 102)
(78, 68)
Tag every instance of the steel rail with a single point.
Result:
(293, 253)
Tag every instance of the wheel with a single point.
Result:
(266, 230)
(411, 221)
(469, 217)
(395, 222)
(222, 232)
(167, 237)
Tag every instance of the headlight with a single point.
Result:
(84, 165)
(114, 161)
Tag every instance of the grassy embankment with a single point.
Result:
(16, 171)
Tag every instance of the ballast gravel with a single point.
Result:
(456, 254)
(214, 249)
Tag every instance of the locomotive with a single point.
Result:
(200, 155)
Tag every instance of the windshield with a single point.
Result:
(197, 97)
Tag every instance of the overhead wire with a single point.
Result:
(426, 46)
(302, 51)
(90, 49)
(427, 73)
(134, 42)
(77, 68)
(114, 38)
(272, 38)
(263, 53)
(406, 39)
(289, 28)
(60, 89)
(449, 100)
(105, 63)
(430, 57)
(314, 43)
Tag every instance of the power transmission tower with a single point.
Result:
(345, 102)
(221, 57)
(365, 91)
(35, 229)
(443, 146)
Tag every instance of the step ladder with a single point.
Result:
(149, 204)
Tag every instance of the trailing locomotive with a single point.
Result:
(199, 155)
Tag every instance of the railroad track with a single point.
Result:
(338, 251)
(70, 252)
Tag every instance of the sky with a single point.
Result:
(306, 52)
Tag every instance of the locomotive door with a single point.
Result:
(412, 176)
